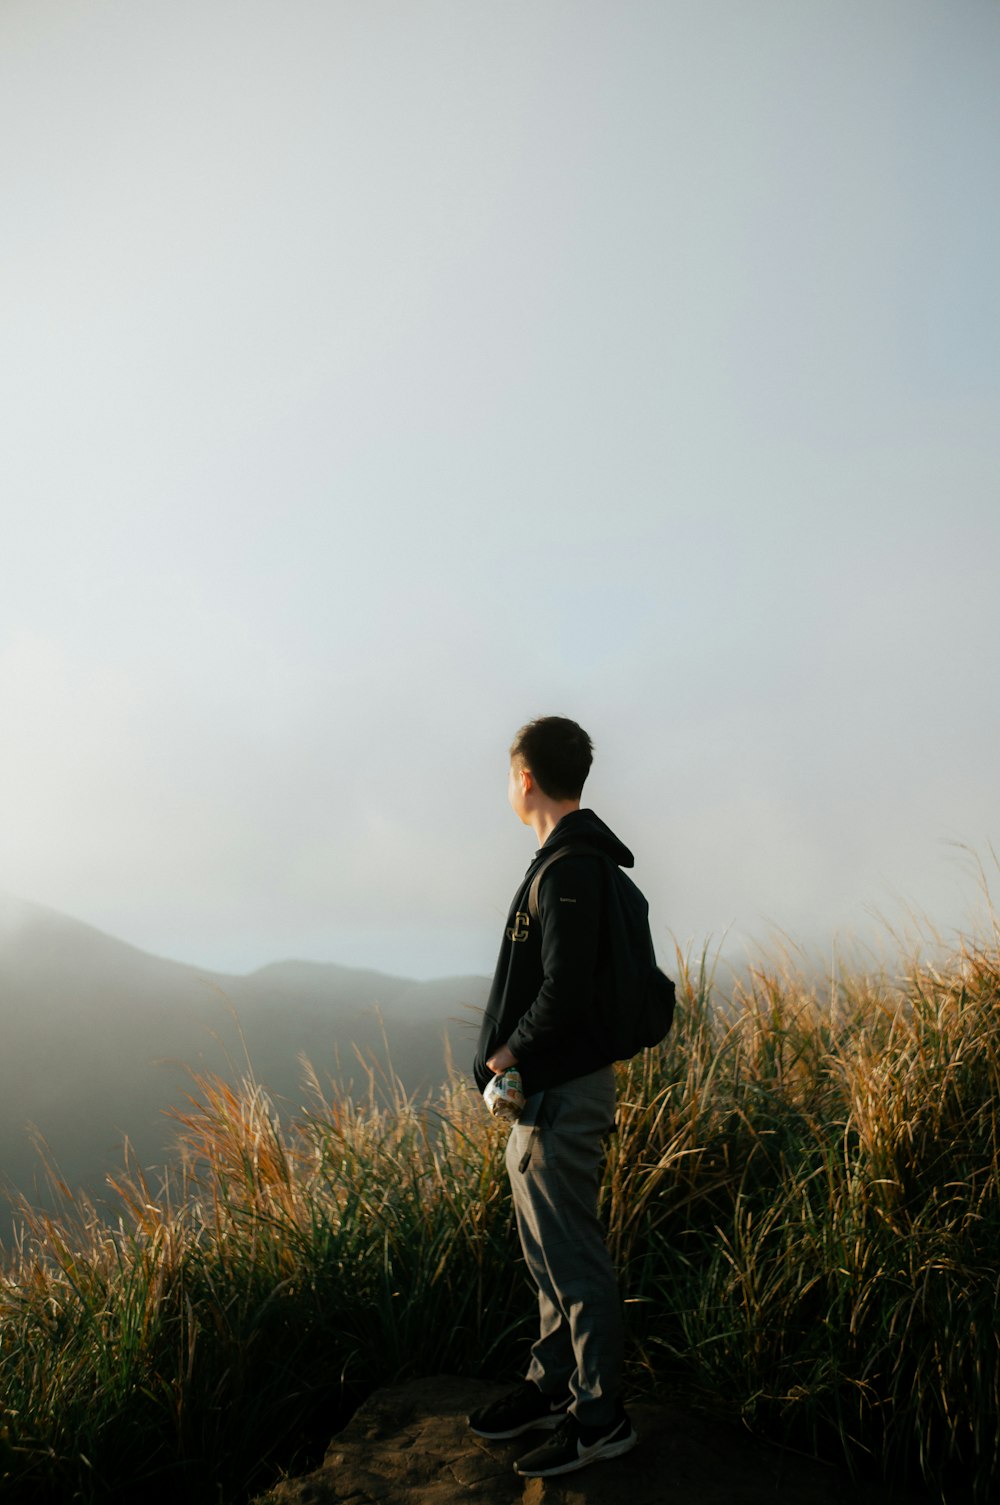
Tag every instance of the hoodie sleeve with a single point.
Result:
(569, 912)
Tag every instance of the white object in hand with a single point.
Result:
(504, 1095)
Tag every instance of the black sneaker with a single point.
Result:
(520, 1410)
(573, 1446)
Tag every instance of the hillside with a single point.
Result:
(801, 1200)
(98, 1037)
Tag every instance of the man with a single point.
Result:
(544, 1015)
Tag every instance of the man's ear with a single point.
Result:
(527, 781)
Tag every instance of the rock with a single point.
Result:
(410, 1445)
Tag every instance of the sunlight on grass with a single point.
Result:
(802, 1197)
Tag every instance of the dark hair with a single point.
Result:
(559, 754)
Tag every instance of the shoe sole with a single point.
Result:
(599, 1455)
(540, 1424)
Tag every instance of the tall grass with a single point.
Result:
(235, 1314)
(806, 1202)
(802, 1197)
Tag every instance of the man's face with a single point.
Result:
(516, 791)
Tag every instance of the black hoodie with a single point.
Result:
(545, 1002)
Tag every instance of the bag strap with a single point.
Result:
(569, 851)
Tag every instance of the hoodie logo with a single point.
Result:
(519, 931)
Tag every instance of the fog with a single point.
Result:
(104, 1044)
(379, 376)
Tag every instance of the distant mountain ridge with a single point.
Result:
(97, 1037)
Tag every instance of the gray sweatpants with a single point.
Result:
(554, 1158)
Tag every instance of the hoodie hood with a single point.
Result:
(583, 827)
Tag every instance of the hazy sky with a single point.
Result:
(376, 376)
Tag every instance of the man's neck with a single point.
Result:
(545, 819)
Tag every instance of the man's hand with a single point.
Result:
(501, 1060)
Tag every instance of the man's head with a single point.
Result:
(557, 753)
